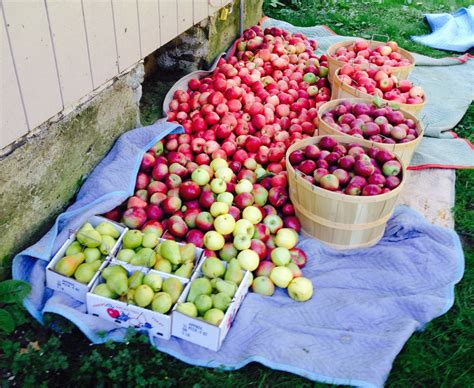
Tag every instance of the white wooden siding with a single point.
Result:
(55, 52)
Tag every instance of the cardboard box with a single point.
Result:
(70, 285)
(127, 315)
(200, 332)
(198, 255)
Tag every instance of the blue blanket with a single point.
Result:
(453, 32)
(367, 302)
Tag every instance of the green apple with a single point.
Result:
(281, 276)
(187, 308)
(219, 208)
(214, 316)
(300, 289)
(280, 256)
(253, 214)
(263, 285)
(249, 260)
(243, 226)
(224, 173)
(224, 224)
(260, 172)
(323, 71)
(218, 163)
(125, 255)
(92, 254)
(218, 185)
(150, 240)
(200, 176)
(310, 78)
(242, 241)
(286, 238)
(132, 239)
(226, 197)
(244, 186)
(107, 229)
(213, 240)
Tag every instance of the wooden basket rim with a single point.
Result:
(374, 43)
(362, 94)
(331, 194)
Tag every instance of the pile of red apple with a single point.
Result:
(374, 122)
(359, 53)
(381, 82)
(222, 184)
(348, 169)
(272, 92)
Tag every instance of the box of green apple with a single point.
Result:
(210, 301)
(141, 298)
(74, 267)
(147, 250)
(200, 310)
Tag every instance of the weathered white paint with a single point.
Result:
(149, 21)
(67, 26)
(12, 115)
(30, 39)
(200, 10)
(126, 32)
(99, 26)
(168, 20)
(55, 52)
(185, 15)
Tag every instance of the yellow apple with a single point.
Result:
(244, 186)
(218, 163)
(218, 185)
(224, 224)
(253, 214)
(213, 241)
(243, 226)
(248, 260)
(218, 208)
(286, 238)
(224, 173)
(226, 197)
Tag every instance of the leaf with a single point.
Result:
(17, 312)
(394, 106)
(13, 291)
(377, 101)
(7, 324)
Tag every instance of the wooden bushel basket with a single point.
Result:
(404, 151)
(342, 90)
(339, 220)
(401, 72)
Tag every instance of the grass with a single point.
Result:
(440, 356)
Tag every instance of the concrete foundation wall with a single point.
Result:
(41, 172)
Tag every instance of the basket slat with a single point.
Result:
(341, 221)
(341, 90)
(404, 151)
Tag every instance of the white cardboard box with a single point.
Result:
(198, 255)
(127, 315)
(200, 332)
(69, 285)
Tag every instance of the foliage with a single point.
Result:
(397, 19)
(12, 293)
